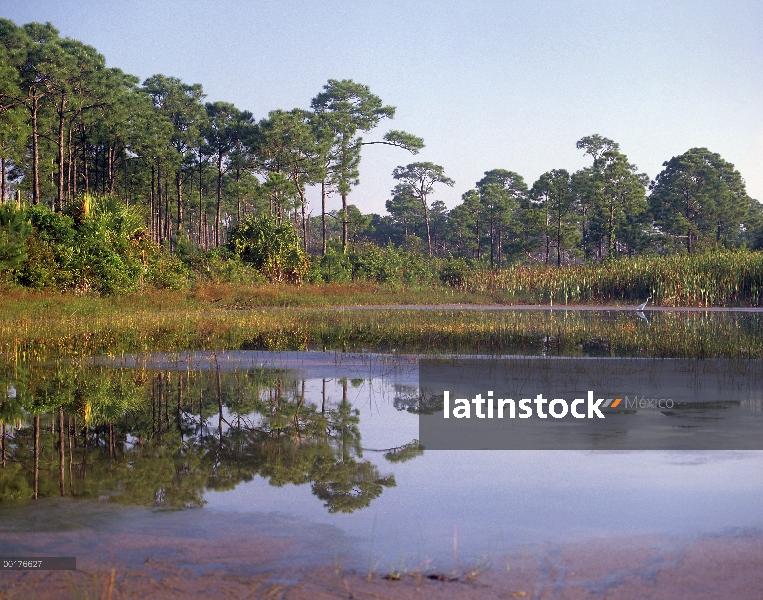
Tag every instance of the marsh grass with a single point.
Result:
(87, 327)
(36, 325)
(719, 278)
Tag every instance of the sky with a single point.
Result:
(486, 84)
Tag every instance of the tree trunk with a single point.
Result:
(426, 222)
(323, 215)
(3, 182)
(238, 197)
(206, 231)
(36, 456)
(152, 205)
(96, 180)
(344, 223)
(70, 168)
(584, 237)
(500, 246)
(112, 157)
(160, 237)
(35, 156)
(303, 201)
(61, 456)
(61, 127)
(201, 199)
(479, 240)
(85, 166)
(179, 186)
(167, 211)
(219, 198)
(492, 243)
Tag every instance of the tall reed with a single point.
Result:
(720, 278)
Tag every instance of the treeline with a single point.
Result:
(602, 211)
(72, 128)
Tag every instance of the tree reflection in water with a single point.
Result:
(161, 438)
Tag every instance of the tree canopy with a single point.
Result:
(73, 128)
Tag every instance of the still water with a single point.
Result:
(319, 449)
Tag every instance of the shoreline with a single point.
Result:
(542, 307)
(703, 568)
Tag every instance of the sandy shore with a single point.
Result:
(636, 567)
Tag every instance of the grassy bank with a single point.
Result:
(722, 278)
(219, 315)
(231, 296)
(46, 327)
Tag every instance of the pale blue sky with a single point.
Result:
(487, 84)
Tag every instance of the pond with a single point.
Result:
(319, 455)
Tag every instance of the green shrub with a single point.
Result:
(271, 247)
(384, 265)
(14, 229)
(50, 226)
(41, 269)
(100, 246)
(221, 265)
(335, 265)
(454, 273)
(169, 272)
(418, 268)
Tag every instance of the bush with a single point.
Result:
(454, 273)
(378, 264)
(418, 268)
(271, 247)
(101, 247)
(168, 272)
(41, 269)
(374, 263)
(14, 230)
(335, 265)
(51, 227)
(219, 265)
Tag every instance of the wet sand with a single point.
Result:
(710, 567)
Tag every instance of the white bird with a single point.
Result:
(641, 307)
(642, 316)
